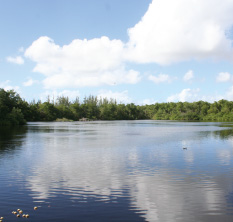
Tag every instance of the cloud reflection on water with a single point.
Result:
(163, 182)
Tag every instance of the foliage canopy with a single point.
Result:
(15, 111)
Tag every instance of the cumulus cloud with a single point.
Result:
(192, 95)
(81, 63)
(223, 77)
(120, 97)
(189, 95)
(7, 86)
(160, 78)
(54, 94)
(173, 31)
(148, 101)
(17, 60)
(188, 76)
(212, 98)
(170, 31)
(30, 82)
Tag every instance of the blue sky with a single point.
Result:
(140, 51)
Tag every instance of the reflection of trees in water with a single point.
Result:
(218, 134)
(230, 199)
(224, 134)
(11, 137)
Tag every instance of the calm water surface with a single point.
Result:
(117, 171)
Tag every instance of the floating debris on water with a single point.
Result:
(19, 213)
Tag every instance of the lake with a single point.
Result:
(117, 171)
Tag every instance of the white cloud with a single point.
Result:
(211, 99)
(228, 95)
(6, 86)
(189, 95)
(188, 76)
(30, 82)
(170, 31)
(192, 95)
(148, 101)
(223, 77)
(17, 60)
(160, 78)
(81, 63)
(53, 94)
(120, 97)
(173, 31)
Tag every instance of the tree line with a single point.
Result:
(16, 111)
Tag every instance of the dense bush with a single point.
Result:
(11, 108)
(15, 111)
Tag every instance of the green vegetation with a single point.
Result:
(15, 111)
(11, 107)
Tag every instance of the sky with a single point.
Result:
(135, 51)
